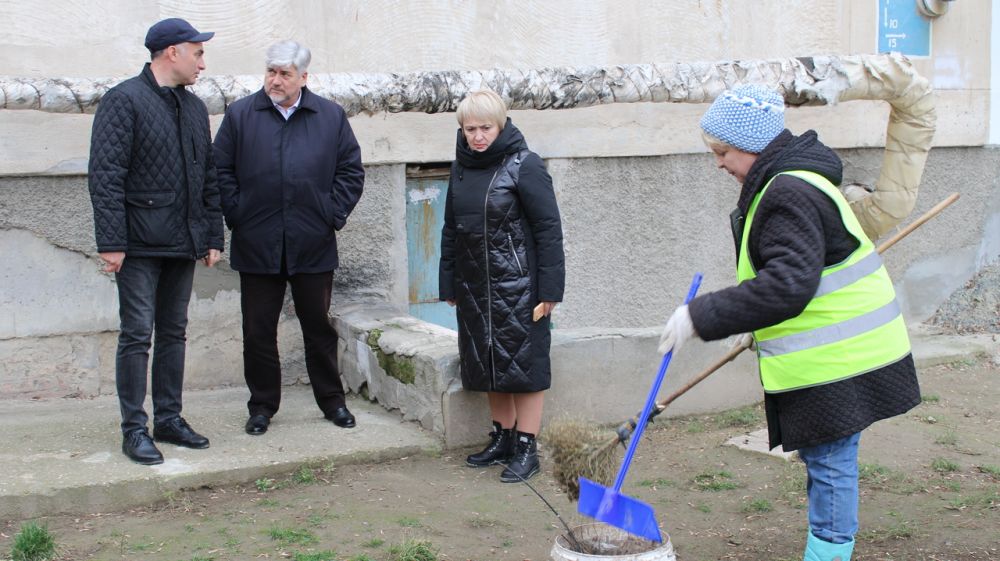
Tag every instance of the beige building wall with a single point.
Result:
(75, 38)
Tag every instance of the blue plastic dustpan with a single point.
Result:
(608, 505)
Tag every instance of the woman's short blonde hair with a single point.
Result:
(482, 105)
(714, 143)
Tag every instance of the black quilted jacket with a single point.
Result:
(796, 232)
(501, 254)
(152, 174)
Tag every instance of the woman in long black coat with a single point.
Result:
(502, 265)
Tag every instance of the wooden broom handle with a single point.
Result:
(918, 222)
(727, 358)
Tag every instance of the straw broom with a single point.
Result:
(580, 450)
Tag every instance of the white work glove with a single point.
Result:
(678, 330)
(741, 340)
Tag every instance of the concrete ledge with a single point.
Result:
(605, 375)
(931, 346)
(601, 375)
(393, 358)
(64, 455)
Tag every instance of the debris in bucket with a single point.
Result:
(601, 539)
(577, 449)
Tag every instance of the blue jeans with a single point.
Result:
(153, 296)
(832, 486)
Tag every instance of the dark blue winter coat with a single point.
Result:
(287, 186)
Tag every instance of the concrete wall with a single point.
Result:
(636, 230)
(389, 36)
(60, 311)
(943, 254)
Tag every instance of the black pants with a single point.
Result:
(261, 299)
(153, 296)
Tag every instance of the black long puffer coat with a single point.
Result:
(501, 254)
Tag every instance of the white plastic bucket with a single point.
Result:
(563, 549)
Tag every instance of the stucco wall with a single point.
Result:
(388, 36)
(636, 229)
(59, 320)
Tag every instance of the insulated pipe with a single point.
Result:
(908, 139)
(804, 81)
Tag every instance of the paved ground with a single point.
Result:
(63, 455)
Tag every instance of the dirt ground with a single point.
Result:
(974, 308)
(930, 490)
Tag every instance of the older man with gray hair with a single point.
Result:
(290, 173)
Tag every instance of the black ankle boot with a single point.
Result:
(498, 451)
(525, 462)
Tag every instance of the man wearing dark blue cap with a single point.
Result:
(181, 43)
(156, 211)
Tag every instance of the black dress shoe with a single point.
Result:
(257, 424)
(177, 431)
(341, 417)
(140, 449)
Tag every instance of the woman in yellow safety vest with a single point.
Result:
(831, 344)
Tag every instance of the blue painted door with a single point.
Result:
(425, 198)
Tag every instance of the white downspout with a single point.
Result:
(994, 135)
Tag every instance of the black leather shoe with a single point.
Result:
(341, 417)
(177, 431)
(140, 449)
(257, 424)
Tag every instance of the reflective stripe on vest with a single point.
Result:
(852, 325)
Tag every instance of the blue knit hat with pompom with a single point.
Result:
(748, 117)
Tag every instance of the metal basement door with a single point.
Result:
(425, 195)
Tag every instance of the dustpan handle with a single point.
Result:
(651, 400)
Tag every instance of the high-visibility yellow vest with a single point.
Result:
(852, 325)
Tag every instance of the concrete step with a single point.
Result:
(64, 455)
